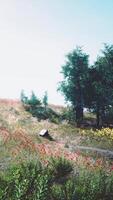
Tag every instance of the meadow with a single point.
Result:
(36, 168)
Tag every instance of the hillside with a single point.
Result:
(19, 131)
(90, 151)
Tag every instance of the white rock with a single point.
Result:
(43, 132)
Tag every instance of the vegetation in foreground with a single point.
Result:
(58, 180)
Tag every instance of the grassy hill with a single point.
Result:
(18, 127)
(20, 143)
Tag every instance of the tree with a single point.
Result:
(75, 74)
(95, 95)
(105, 65)
(45, 99)
(34, 101)
(99, 85)
(23, 97)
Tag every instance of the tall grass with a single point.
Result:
(34, 181)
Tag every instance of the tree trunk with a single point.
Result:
(98, 116)
(79, 104)
(79, 115)
(103, 115)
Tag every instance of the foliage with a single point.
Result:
(68, 115)
(99, 89)
(93, 185)
(28, 181)
(45, 100)
(67, 191)
(75, 75)
(99, 138)
(89, 86)
(41, 113)
(23, 97)
(105, 132)
(108, 118)
(61, 167)
(33, 105)
(35, 182)
(34, 101)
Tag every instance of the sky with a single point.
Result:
(35, 36)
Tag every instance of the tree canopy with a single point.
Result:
(88, 86)
(75, 74)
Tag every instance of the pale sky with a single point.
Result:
(35, 36)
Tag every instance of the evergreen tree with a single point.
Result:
(34, 101)
(23, 97)
(45, 99)
(99, 85)
(75, 74)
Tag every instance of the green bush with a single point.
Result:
(32, 181)
(69, 115)
(34, 106)
(43, 114)
(61, 167)
(108, 118)
(67, 191)
(27, 181)
(93, 185)
(33, 101)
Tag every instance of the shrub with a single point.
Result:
(61, 167)
(67, 191)
(33, 105)
(23, 97)
(43, 114)
(34, 101)
(35, 182)
(108, 118)
(68, 114)
(93, 185)
(26, 181)
(45, 100)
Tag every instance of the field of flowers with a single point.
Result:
(35, 168)
(98, 138)
(103, 133)
(78, 176)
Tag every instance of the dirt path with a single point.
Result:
(102, 152)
